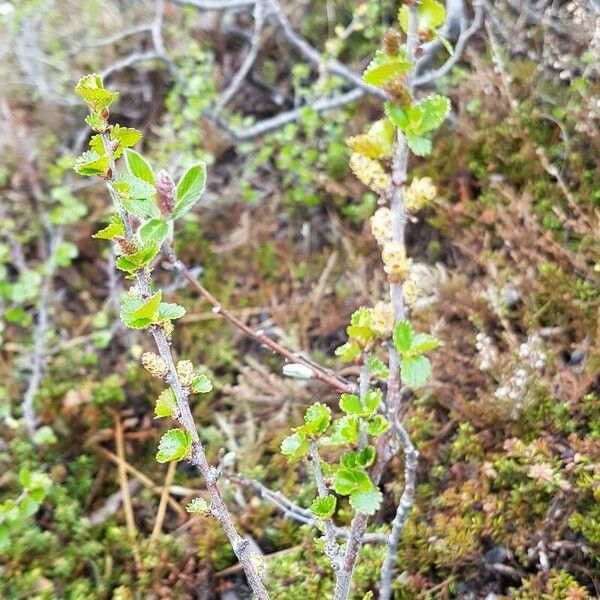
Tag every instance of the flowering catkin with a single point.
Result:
(155, 364)
(185, 372)
(370, 172)
(381, 225)
(395, 262)
(382, 320)
(419, 193)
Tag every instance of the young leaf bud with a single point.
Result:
(155, 365)
(165, 193)
(398, 92)
(382, 322)
(381, 225)
(395, 262)
(124, 245)
(391, 42)
(104, 114)
(185, 372)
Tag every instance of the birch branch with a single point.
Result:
(241, 546)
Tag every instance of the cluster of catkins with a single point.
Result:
(396, 263)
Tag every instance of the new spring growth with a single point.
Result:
(395, 262)
(165, 193)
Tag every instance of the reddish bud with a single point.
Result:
(104, 114)
(125, 246)
(391, 42)
(165, 193)
(135, 222)
(398, 92)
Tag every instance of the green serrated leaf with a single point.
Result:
(423, 342)
(131, 303)
(430, 13)
(345, 431)
(25, 477)
(420, 146)
(323, 508)
(189, 189)
(295, 447)
(201, 384)
(168, 311)
(317, 419)
(90, 89)
(138, 166)
(362, 459)
(352, 405)
(96, 122)
(130, 263)
(377, 367)
(415, 371)
(402, 336)
(92, 163)
(397, 115)
(435, 110)
(384, 68)
(366, 501)
(377, 425)
(346, 481)
(126, 137)
(174, 445)
(197, 506)
(96, 144)
(166, 404)
(112, 230)
(348, 351)
(154, 230)
(149, 309)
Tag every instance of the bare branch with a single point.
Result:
(290, 116)
(249, 60)
(324, 375)
(411, 457)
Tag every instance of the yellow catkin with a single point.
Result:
(185, 372)
(410, 291)
(155, 365)
(395, 262)
(382, 320)
(419, 193)
(381, 225)
(369, 172)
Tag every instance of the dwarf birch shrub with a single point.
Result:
(366, 432)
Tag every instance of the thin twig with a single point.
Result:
(318, 372)
(411, 457)
(249, 60)
(281, 119)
